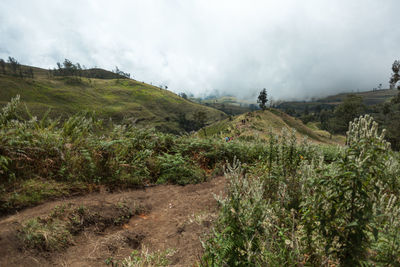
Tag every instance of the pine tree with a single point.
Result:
(262, 99)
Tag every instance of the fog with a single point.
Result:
(294, 49)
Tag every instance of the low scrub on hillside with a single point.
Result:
(294, 208)
(47, 158)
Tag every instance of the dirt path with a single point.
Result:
(175, 217)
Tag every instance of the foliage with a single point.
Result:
(46, 158)
(262, 99)
(250, 231)
(395, 76)
(178, 170)
(351, 108)
(296, 208)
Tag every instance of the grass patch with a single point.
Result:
(55, 232)
(144, 258)
(35, 191)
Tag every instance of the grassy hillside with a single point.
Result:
(286, 201)
(258, 124)
(124, 100)
(369, 98)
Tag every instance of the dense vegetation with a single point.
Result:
(334, 113)
(299, 207)
(46, 158)
(289, 202)
(336, 118)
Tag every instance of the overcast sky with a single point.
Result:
(295, 49)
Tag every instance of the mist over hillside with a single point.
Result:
(297, 50)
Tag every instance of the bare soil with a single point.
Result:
(170, 217)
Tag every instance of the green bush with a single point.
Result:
(295, 207)
(250, 230)
(178, 170)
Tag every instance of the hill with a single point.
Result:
(43, 167)
(258, 124)
(369, 98)
(228, 104)
(123, 100)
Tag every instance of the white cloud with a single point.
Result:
(292, 48)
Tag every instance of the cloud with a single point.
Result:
(295, 49)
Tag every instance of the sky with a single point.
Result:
(295, 49)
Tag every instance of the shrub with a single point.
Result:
(296, 208)
(178, 170)
(250, 230)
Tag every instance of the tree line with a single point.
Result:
(67, 68)
(335, 119)
(14, 68)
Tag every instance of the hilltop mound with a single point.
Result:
(123, 100)
(259, 124)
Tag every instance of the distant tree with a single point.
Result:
(183, 95)
(68, 64)
(262, 99)
(116, 70)
(351, 108)
(395, 76)
(3, 66)
(79, 69)
(324, 117)
(14, 65)
(121, 73)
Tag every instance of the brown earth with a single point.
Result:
(171, 217)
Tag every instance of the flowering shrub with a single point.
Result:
(295, 208)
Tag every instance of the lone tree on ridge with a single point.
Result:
(263, 99)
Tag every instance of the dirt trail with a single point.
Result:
(175, 218)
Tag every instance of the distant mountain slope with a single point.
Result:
(369, 97)
(259, 123)
(124, 100)
(228, 104)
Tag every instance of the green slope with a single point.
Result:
(123, 100)
(228, 104)
(369, 98)
(259, 124)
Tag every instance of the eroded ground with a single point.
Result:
(163, 217)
